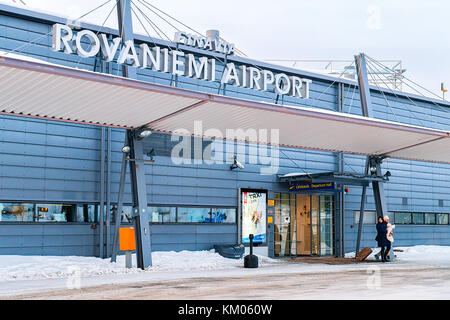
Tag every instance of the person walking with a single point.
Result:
(381, 238)
(389, 237)
(377, 238)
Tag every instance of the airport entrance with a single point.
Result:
(303, 224)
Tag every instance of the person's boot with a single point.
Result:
(383, 257)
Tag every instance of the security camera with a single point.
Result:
(240, 165)
(236, 164)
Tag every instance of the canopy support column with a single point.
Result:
(139, 195)
(372, 163)
(126, 32)
(118, 213)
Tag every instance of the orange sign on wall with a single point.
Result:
(127, 239)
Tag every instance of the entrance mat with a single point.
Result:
(327, 260)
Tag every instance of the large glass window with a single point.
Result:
(326, 225)
(162, 214)
(11, 212)
(223, 215)
(430, 218)
(403, 218)
(442, 218)
(59, 213)
(194, 215)
(418, 218)
(89, 213)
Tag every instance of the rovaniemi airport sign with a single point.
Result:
(177, 62)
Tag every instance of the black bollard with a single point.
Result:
(251, 261)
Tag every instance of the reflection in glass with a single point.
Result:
(193, 215)
(162, 214)
(418, 218)
(430, 218)
(11, 212)
(442, 218)
(315, 250)
(222, 215)
(326, 225)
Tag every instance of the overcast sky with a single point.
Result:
(416, 32)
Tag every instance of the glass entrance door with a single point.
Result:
(303, 224)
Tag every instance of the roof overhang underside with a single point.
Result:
(336, 177)
(32, 89)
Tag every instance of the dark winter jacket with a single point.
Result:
(381, 237)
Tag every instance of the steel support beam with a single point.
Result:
(361, 211)
(340, 229)
(108, 194)
(139, 193)
(102, 195)
(372, 163)
(363, 82)
(126, 32)
(118, 213)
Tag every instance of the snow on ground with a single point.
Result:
(51, 267)
(28, 274)
(433, 256)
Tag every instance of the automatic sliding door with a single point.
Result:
(315, 239)
(303, 224)
(326, 225)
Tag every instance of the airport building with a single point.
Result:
(59, 177)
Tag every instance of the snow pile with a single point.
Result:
(433, 255)
(51, 267)
(420, 255)
(199, 260)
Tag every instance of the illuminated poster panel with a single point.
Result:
(254, 210)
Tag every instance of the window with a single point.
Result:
(430, 218)
(370, 217)
(65, 213)
(11, 212)
(162, 214)
(421, 218)
(418, 218)
(206, 215)
(402, 218)
(223, 215)
(89, 213)
(19, 212)
(194, 215)
(442, 218)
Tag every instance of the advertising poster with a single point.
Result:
(254, 209)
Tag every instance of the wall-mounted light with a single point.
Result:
(236, 164)
(151, 154)
(143, 133)
(126, 149)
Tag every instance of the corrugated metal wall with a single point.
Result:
(50, 161)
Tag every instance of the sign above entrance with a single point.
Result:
(88, 44)
(311, 187)
(204, 43)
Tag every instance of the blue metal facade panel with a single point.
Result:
(60, 162)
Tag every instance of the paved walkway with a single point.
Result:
(369, 283)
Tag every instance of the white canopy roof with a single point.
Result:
(33, 89)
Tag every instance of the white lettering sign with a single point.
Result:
(87, 44)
